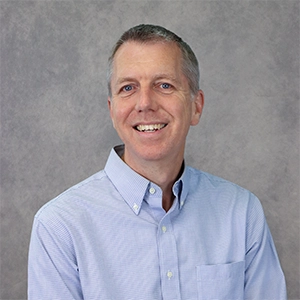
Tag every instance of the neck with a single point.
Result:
(164, 174)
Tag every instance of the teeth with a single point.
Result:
(150, 128)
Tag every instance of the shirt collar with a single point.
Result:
(132, 186)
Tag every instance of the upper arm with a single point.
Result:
(264, 278)
(52, 270)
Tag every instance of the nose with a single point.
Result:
(145, 100)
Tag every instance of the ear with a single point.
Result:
(197, 103)
(110, 110)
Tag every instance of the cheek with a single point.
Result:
(119, 113)
(186, 112)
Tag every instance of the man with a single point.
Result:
(148, 227)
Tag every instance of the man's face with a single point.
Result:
(151, 105)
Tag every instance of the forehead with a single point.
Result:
(150, 55)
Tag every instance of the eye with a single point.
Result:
(127, 88)
(165, 85)
(165, 88)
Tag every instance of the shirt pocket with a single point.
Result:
(221, 282)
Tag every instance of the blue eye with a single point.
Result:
(165, 85)
(127, 88)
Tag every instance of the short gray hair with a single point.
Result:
(154, 33)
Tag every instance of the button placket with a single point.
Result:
(168, 257)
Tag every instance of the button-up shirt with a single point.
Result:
(108, 238)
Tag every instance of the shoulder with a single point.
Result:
(73, 202)
(212, 181)
(219, 190)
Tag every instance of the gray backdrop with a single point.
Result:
(56, 131)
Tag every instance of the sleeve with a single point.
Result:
(264, 278)
(52, 269)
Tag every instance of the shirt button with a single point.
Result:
(164, 229)
(135, 207)
(152, 191)
(169, 274)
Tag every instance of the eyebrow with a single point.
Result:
(124, 79)
(165, 76)
(155, 78)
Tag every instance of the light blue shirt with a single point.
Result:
(108, 238)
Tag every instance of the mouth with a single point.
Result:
(150, 127)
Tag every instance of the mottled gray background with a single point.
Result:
(56, 131)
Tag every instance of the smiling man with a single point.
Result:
(152, 108)
(148, 226)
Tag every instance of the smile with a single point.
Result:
(150, 127)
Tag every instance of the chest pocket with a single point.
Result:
(221, 282)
